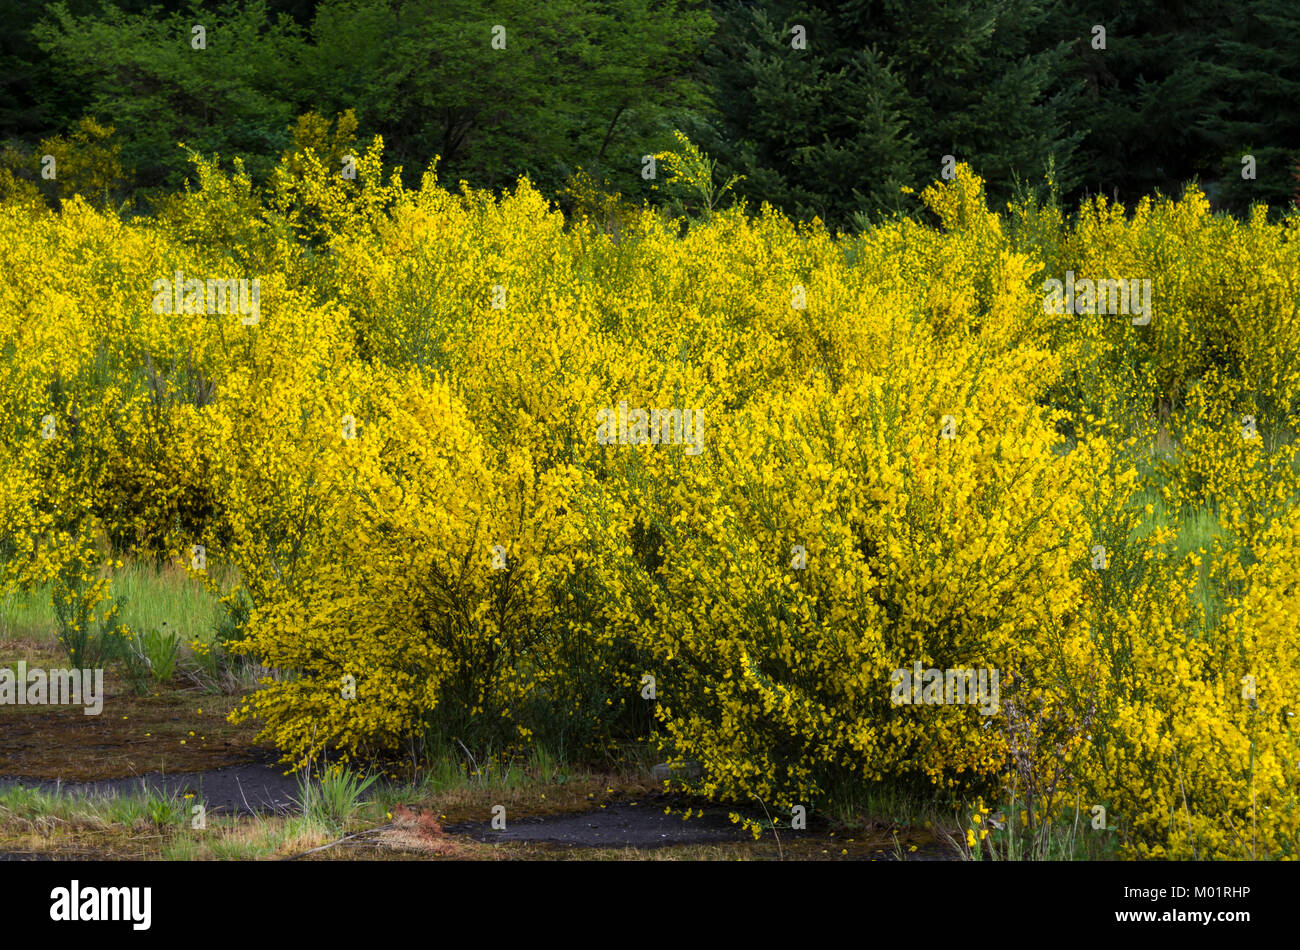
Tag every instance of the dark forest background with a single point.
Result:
(881, 93)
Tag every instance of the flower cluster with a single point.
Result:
(908, 461)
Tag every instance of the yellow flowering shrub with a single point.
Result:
(418, 461)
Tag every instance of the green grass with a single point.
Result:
(166, 599)
(151, 806)
(333, 799)
(1197, 532)
(1069, 838)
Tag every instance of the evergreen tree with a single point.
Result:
(1146, 92)
(882, 92)
(815, 128)
(1257, 104)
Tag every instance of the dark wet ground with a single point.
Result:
(644, 825)
(263, 787)
(614, 826)
(238, 789)
(179, 741)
